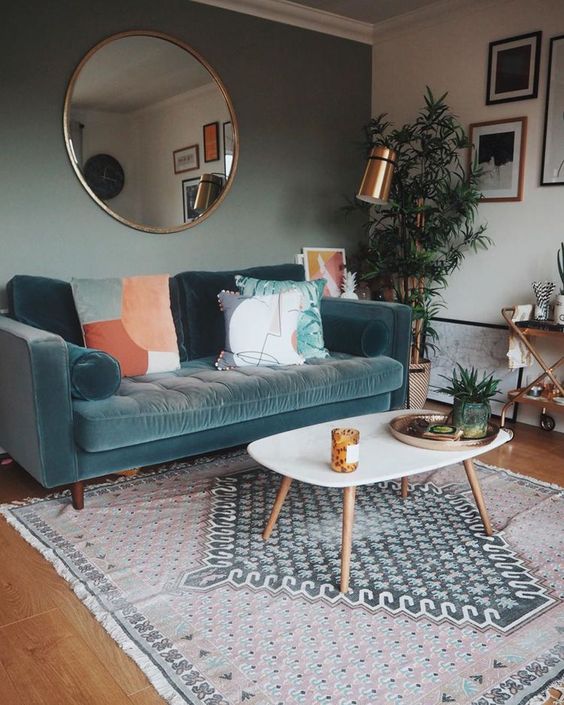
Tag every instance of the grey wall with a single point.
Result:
(301, 99)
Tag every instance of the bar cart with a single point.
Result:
(524, 330)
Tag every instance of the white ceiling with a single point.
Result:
(372, 11)
(134, 72)
(359, 20)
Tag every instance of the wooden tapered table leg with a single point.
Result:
(280, 497)
(404, 487)
(346, 546)
(477, 492)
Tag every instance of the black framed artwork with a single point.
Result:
(499, 148)
(552, 172)
(189, 191)
(513, 68)
(472, 344)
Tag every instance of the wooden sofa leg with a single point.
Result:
(77, 493)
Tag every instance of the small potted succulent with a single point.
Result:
(471, 411)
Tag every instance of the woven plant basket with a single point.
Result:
(419, 378)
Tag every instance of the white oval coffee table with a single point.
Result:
(304, 455)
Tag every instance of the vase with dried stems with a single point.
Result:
(415, 241)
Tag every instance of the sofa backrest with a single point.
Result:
(203, 327)
(48, 304)
(44, 303)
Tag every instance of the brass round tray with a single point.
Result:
(409, 428)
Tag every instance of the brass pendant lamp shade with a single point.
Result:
(209, 188)
(377, 180)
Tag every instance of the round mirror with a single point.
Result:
(150, 131)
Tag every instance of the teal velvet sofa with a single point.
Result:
(61, 440)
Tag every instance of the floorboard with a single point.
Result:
(47, 662)
(8, 694)
(29, 585)
(148, 696)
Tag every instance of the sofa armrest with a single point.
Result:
(347, 325)
(35, 403)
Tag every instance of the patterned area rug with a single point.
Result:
(173, 566)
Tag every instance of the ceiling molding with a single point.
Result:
(300, 16)
(437, 12)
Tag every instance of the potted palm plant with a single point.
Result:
(471, 411)
(423, 233)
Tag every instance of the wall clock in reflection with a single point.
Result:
(104, 174)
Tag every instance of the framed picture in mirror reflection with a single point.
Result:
(186, 159)
(211, 142)
(189, 191)
(228, 148)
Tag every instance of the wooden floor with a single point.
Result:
(52, 650)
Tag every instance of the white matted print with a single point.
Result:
(553, 148)
(480, 345)
(186, 159)
(498, 146)
(513, 68)
(325, 263)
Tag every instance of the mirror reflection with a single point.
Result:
(150, 132)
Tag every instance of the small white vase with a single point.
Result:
(349, 295)
(559, 309)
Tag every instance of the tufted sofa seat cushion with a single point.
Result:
(197, 397)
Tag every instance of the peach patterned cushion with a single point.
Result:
(130, 319)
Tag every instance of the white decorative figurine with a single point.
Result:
(349, 285)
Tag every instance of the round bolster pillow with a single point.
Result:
(355, 336)
(94, 374)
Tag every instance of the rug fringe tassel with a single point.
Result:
(153, 674)
(546, 697)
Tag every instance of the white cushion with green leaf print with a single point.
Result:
(310, 328)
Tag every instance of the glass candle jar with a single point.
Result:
(345, 447)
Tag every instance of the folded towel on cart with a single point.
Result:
(519, 354)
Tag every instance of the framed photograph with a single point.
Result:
(513, 68)
(325, 263)
(499, 147)
(211, 142)
(189, 191)
(228, 148)
(186, 159)
(552, 172)
(480, 345)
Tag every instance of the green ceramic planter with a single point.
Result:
(471, 417)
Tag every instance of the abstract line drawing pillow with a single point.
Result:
(310, 327)
(130, 319)
(260, 330)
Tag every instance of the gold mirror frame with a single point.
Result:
(76, 167)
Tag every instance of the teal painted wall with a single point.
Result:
(301, 99)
